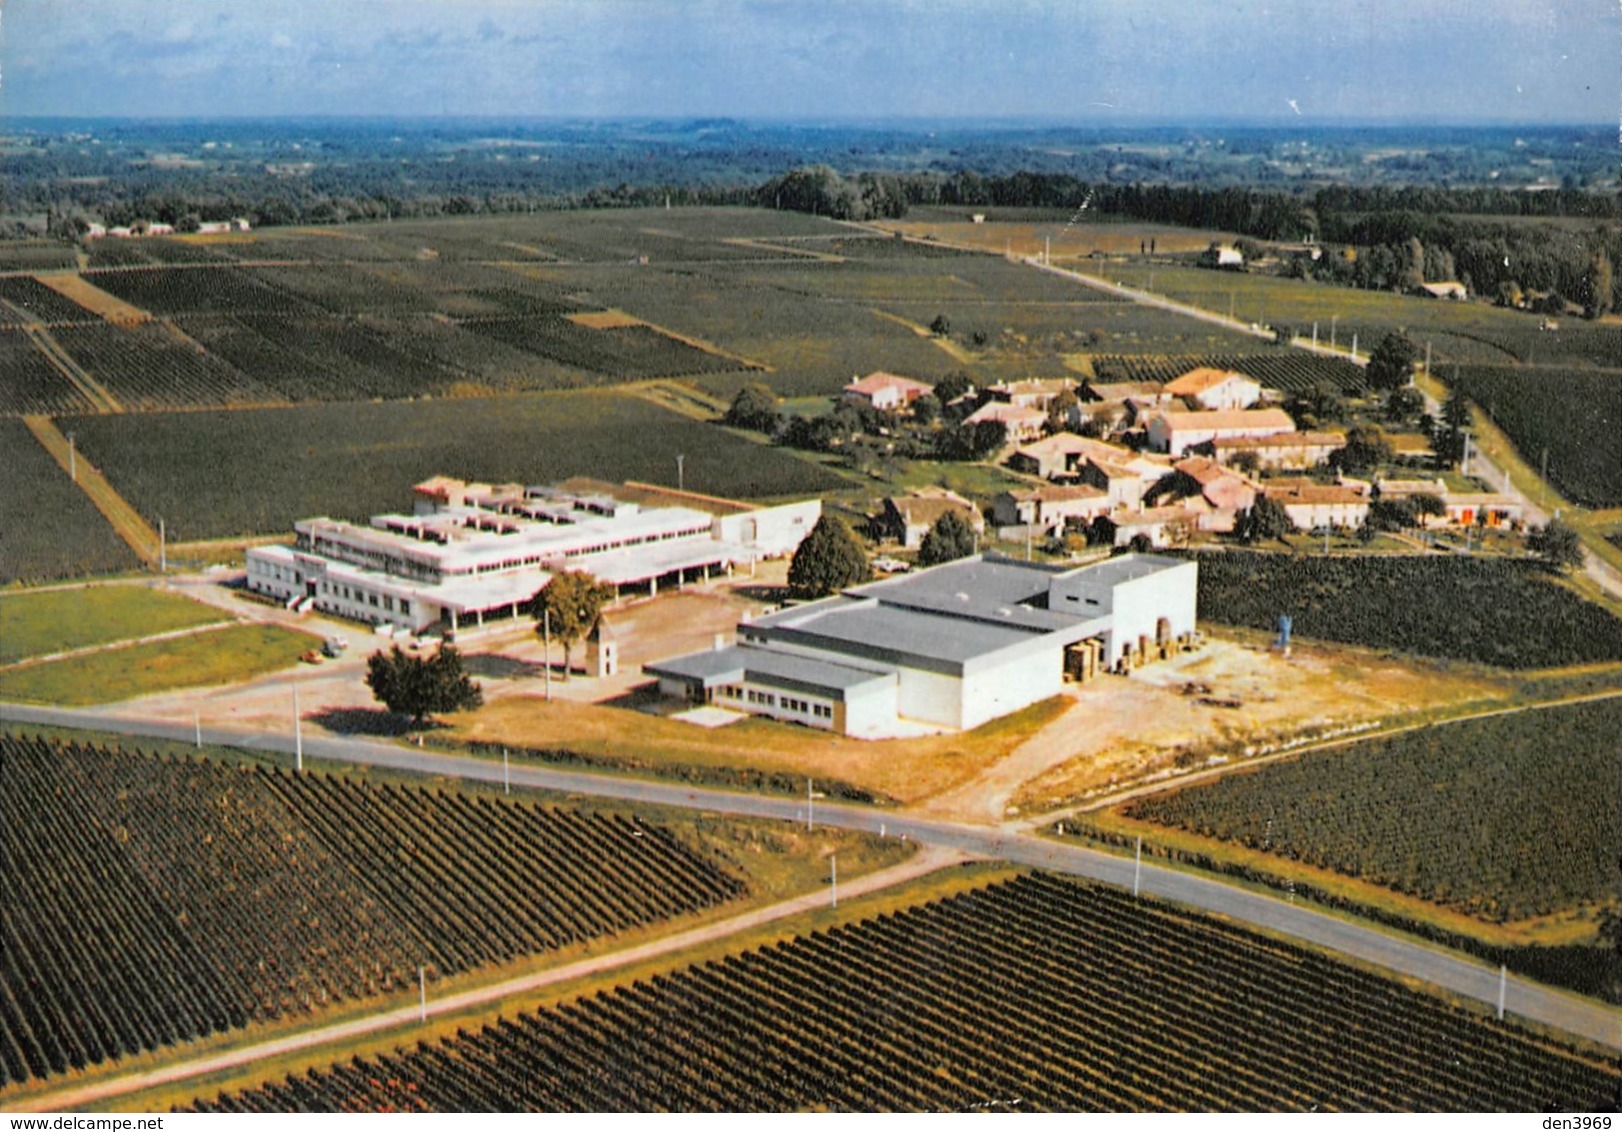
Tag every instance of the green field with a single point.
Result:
(1463, 332)
(1575, 415)
(1496, 611)
(1503, 818)
(49, 621)
(48, 529)
(206, 658)
(218, 474)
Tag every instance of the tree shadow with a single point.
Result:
(363, 721)
(769, 595)
(494, 666)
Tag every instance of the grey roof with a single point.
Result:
(891, 634)
(1129, 568)
(760, 666)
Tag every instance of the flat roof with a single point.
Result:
(736, 663)
(894, 635)
(1130, 567)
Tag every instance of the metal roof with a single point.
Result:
(737, 663)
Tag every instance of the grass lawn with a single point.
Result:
(229, 655)
(49, 621)
(903, 769)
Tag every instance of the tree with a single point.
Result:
(1404, 404)
(954, 385)
(828, 560)
(1060, 408)
(1391, 366)
(1264, 519)
(1246, 460)
(941, 327)
(926, 409)
(1366, 448)
(970, 441)
(754, 407)
(952, 537)
(568, 607)
(1449, 438)
(1597, 286)
(1558, 545)
(419, 686)
(1318, 405)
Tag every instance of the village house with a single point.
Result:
(1175, 432)
(1224, 490)
(1316, 506)
(1210, 388)
(1022, 424)
(1031, 392)
(1281, 451)
(906, 519)
(886, 392)
(1051, 458)
(1048, 507)
(1159, 526)
(1223, 256)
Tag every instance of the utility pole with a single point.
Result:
(163, 548)
(833, 885)
(197, 722)
(1334, 321)
(422, 994)
(298, 734)
(1427, 358)
(1503, 985)
(1137, 868)
(681, 482)
(506, 774)
(73, 460)
(546, 631)
(1047, 251)
(810, 805)
(1315, 334)
(1354, 347)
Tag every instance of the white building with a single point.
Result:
(474, 552)
(1211, 388)
(887, 392)
(950, 647)
(1175, 433)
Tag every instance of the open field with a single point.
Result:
(1036, 993)
(1504, 612)
(56, 620)
(1065, 234)
(1464, 332)
(1575, 415)
(208, 657)
(51, 530)
(243, 895)
(1445, 813)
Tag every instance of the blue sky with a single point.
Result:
(1082, 61)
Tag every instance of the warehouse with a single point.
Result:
(470, 553)
(951, 647)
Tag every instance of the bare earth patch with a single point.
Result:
(95, 300)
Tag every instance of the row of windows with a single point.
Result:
(767, 699)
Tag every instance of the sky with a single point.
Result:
(1086, 62)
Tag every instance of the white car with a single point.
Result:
(890, 565)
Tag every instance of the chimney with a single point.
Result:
(720, 642)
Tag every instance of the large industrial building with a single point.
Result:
(950, 647)
(473, 552)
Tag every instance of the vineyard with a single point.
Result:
(149, 901)
(29, 383)
(147, 367)
(196, 290)
(1441, 813)
(629, 353)
(1497, 611)
(52, 530)
(217, 474)
(1036, 993)
(39, 302)
(1575, 415)
(1288, 372)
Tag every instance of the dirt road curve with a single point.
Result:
(923, 863)
(1457, 973)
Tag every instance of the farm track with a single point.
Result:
(125, 520)
(93, 390)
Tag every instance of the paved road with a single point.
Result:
(1464, 976)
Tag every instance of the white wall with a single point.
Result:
(772, 530)
(1013, 683)
(1139, 604)
(930, 697)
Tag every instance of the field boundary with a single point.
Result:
(953, 350)
(103, 304)
(126, 521)
(93, 390)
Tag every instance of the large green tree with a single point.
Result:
(1262, 520)
(1366, 448)
(952, 537)
(754, 407)
(1391, 366)
(828, 560)
(1557, 544)
(568, 607)
(419, 686)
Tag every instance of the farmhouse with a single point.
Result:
(472, 552)
(1317, 506)
(1224, 256)
(1021, 423)
(1456, 291)
(1157, 526)
(1284, 450)
(906, 519)
(886, 392)
(953, 646)
(1031, 392)
(1058, 455)
(1216, 389)
(1049, 507)
(1176, 432)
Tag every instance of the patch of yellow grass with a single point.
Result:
(95, 300)
(604, 320)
